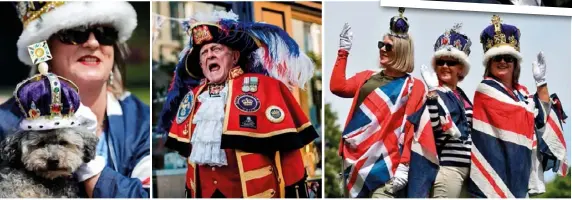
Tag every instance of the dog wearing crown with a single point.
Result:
(55, 138)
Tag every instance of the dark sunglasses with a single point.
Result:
(506, 58)
(449, 63)
(104, 35)
(387, 46)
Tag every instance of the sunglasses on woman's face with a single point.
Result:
(387, 46)
(80, 35)
(506, 58)
(450, 63)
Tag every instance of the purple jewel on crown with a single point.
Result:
(399, 25)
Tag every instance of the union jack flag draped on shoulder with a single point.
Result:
(509, 128)
(424, 162)
(375, 138)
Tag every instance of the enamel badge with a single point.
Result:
(275, 114)
(247, 103)
(185, 107)
(201, 34)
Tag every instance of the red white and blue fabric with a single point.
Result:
(373, 137)
(551, 142)
(424, 162)
(505, 131)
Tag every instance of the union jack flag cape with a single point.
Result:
(506, 130)
(375, 139)
(424, 162)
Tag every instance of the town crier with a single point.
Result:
(231, 112)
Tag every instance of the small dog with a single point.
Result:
(40, 164)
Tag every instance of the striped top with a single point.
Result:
(452, 152)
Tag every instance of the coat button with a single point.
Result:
(213, 169)
(215, 182)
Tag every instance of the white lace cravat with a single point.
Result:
(208, 130)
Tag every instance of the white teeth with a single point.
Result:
(90, 59)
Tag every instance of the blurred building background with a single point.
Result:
(302, 20)
(15, 71)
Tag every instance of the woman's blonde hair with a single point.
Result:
(403, 49)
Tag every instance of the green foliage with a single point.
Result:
(141, 92)
(557, 188)
(333, 160)
(317, 59)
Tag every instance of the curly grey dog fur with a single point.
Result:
(38, 164)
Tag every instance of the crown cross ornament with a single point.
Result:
(457, 27)
(40, 54)
(497, 23)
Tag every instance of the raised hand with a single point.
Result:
(346, 37)
(539, 69)
(429, 77)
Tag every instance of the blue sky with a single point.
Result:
(369, 22)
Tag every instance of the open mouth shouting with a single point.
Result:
(214, 67)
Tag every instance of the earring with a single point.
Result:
(110, 80)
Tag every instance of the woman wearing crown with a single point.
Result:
(375, 146)
(451, 112)
(515, 134)
(87, 46)
(230, 111)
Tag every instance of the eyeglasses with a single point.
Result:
(387, 46)
(507, 58)
(104, 35)
(449, 63)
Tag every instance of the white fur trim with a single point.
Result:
(119, 14)
(113, 106)
(455, 53)
(500, 50)
(82, 118)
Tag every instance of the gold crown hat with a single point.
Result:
(43, 19)
(499, 39)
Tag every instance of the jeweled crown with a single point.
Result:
(47, 95)
(452, 38)
(499, 34)
(399, 25)
(30, 10)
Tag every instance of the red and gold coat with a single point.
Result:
(263, 133)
